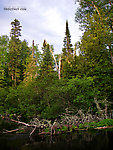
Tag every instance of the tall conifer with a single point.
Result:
(47, 65)
(67, 54)
(67, 49)
(15, 53)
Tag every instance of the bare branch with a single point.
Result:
(33, 131)
(7, 131)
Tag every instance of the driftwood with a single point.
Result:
(19, 122)
(105, 127)
(7, 131)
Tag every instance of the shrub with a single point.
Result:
(105, 122)
(102, 123)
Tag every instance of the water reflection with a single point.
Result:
(82, 140)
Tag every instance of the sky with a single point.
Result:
(41, 20)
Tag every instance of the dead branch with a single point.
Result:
(105, 127)
(7, 131)
(19, 122)
(96, 9)
(23, 123)
(33, 131)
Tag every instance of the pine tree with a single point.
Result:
(14, 53)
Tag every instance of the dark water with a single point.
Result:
(82, 140)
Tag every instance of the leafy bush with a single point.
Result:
(64, 128)
(105, 122)
(102, 123)
(81, 91)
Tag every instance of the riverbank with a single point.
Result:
(103, 124)
(45, 127)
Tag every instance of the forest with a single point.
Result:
(47, 85)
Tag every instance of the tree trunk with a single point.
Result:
(106, 111)
(59, 67)
(33, 49)
(54, 58)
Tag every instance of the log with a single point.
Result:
(105, 127)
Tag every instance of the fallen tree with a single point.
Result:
(6, 118)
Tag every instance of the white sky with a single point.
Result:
(43, 19)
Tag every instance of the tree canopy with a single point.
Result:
(44, 84)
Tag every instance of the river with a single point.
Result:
(79, 140)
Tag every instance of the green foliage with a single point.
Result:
(53, 98)
(67, 56)
(64, 128)
(67, 50)
(105, 122)
(3, 95)
(92, 125)
(4, 124)
(88, 125)
(47, 130)
(81, 91)
(96, 46)
(32, 63)
(3, 60)
(11, 101)
(29, 84)
(25, 52)
(14, 55)
(47, 65)
(88, 8)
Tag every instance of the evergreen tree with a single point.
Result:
(32, 64)
(67, 54)
(47, 64)
(14, 53)
(67, 50)
(25, 53)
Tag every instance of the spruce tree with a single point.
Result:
(24, 54)
(67, 50)
(47, 65)
(14, 55)
(67, 54)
